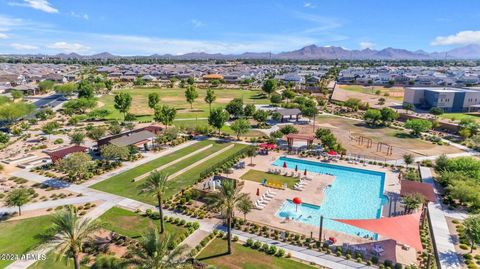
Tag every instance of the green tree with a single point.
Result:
(311, 112)
(153, 99)
(240, 127)
(79, 106)
(16, 94)
(109, 85)
(245, 206)
(289, 95)
(85, 89)
(326, 137)
(437, 111)
(112, 152)
(155, 185)
(418, 126)
(96, 133)
(139, 81)
(276, 98)
(408, 159)
(18, 198)
(218, 117)
(66, 89)
(165, 114)
(353, 103)
(288, 129)
(155, 252)
(76, 165)
(191, 94)
(373, 117)
(77, 138)
(226, 200)
(235, 108)
(45, 85)
(413, 201)
(388, 115)
(260, 116)
(210, 97)
(408, 107)
(123, 101)
(50, 127)
(4, 138)
(71, 232)
(472, 230)
(249, 110)
(190, 80)
(269, 86)
(10, 112)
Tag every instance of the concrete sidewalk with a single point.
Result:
(445, 249)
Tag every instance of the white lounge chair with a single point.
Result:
(271, 192)
(261, 202)
(266, 198)
(269, 195)
(259, 206)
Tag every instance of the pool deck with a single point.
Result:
(313, 193)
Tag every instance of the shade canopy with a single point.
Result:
(284, 164)
(411, 187)
(403, 229)
(332, 153)
(267, 146)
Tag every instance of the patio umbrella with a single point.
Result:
(296, 168)
(284, 164)
(305, 172)
(296, 201)
(258, 192)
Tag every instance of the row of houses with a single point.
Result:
(411, 76)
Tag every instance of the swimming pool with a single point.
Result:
(355, 194)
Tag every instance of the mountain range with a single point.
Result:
(311, 52)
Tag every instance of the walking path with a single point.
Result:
(301, 253)
(174, 175)
(174, 162)
(444, 247)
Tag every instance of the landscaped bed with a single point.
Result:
(243, 257)
(21, 236)
(258, 176)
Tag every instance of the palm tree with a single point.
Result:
(71, 232)
(226, 200)
(245, 206)
(154, 251)
(155, 185)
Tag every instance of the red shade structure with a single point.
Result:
(403, 229)
(297, 201)
(258, 192)
(268, 146)
(332, 153)
(412, 187)
(284, 164)
(305, 172)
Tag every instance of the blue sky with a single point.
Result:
(144, 27)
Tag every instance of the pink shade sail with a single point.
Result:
(403, 229)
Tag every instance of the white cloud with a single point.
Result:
(366, 45)
(3, 36)
(319, 23)
(197, 23)
(42, 5)
(460, 38)
(69, 47)
(19, 46)
(308, 5)
(79, 15)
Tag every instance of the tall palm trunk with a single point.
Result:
(229, 234)
(160, 211)
(76, 261)
(19, 211)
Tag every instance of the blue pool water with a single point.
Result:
(355, 194)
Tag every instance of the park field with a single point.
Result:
(456, 117)
(244, 258)
(176, 97)
(123, 185)
(392, 92)
(21, 236)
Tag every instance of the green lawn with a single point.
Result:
(21, 236)
(176, 97)
(258, 176)
(133, 225)
(122, 184)
(460, 116)
(191, 176)
(244, 258)
(118, 220)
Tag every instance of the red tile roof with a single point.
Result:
(61, 153)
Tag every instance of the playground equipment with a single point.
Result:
(389, 148)
(368, 142)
